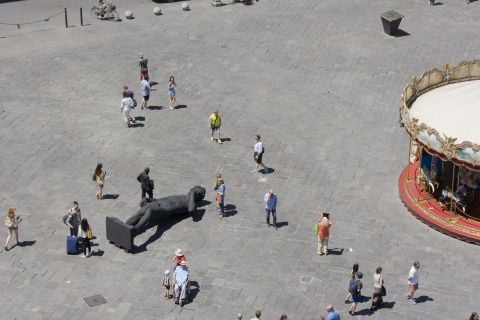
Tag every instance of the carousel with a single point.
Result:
(441, 184)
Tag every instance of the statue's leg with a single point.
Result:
(133, 220)
(144, 220)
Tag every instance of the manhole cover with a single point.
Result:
(95, 300)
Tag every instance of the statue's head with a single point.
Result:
(198, 193)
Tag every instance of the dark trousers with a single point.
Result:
(86, 244)
(274, 215)
(74, 231)
(147, 191)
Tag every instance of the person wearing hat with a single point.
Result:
(215, 121)
(356, 288)
(332, 314)
(178, 257)
(180, 283)
(143, 64)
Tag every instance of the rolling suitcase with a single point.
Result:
(72, 245)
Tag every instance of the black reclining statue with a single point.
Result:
(152, 212)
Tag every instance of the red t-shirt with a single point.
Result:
(179, 260)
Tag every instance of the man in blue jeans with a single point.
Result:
(271, 207)
(332, 314)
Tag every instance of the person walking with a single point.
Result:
(322, 229)
(99, 178)
(220, 195)
(126, 107)
(474, 316)
(166, 284)
(258, 151)
(74, 219)
(413, 277)
(143, 64)
(180, 283)
(356, 286)
(178, 258)
(352, 275)
(270, 200)
(283, 317)
(172, 92)
(377, 296)
(83, 233)
(145, 89)
(131, 95)
(332, 314)
(146, 183)
(12, 221)
(258, 314)
(215, 121)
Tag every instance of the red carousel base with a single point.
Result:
(427, 209)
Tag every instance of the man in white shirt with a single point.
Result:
(258, 151)
(413, 276)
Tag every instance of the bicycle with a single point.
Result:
(105, 11)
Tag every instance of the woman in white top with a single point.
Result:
(11, 223)
(125, 108)
(377, 299)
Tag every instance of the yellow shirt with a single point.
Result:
(215, 119)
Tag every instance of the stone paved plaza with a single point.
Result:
(319, 80)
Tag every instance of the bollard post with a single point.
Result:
(81, 17)
(66, 20)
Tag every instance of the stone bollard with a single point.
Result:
(129, 14)
(157, 11)
(185, 6)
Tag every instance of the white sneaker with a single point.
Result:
(211, 138)
(219, 141)
(83, 256)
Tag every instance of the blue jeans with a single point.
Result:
(221, 207)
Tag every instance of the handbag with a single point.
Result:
(89, 234)
(383, 291)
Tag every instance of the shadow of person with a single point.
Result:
(25, 243)
(155, 107)
(139, 118)
(422, 299)
(335, 251)
(387, 305)
(282, 224)
(110, 196)
(136, 125)
(180, 106)
(229, 210)
(194, 290)
(98, 253)
(267, 171)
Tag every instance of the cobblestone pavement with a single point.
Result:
(318, 79)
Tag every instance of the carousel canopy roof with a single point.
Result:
(441, 110)
(452, 110)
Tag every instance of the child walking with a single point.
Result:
(172, 92)
(166, 284)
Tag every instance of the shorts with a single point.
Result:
(413, 286)
(258, 157)
(171, 91)
(100, 184)
(357, 298)
(146, 97)
(144, 73)
(214, 128)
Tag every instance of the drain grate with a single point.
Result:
(95, 300)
